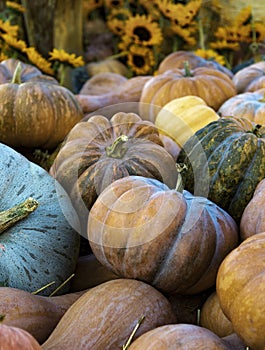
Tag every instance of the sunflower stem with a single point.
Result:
(20, 211)
(118, 148)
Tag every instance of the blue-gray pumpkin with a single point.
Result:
(42, 247)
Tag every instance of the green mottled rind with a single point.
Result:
(228, 161)
(43, 247)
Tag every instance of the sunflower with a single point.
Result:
(258, 31)
(116, 26)
(184, 33)
(166, 7)
(124, 43)
(244, 17)
(151, 9)
(113, 4)
(183, 15)
(3, 57)
(225, 45)
(90, 5)
(116, 20)
(14, 43)
(143, 30)
(210, 55)
(39, 61)
(7, 28)
(15, 6)
(64, 57)
(141, 59)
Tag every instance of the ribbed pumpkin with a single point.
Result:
(36, 114)
(14, 338)
(250, 105)
(139, 228)
(39, 248)
(213, 86)
(225, 161)
(99, 151)
(183, 116)
(176, 60)
(240, 286)
(253, 218)
(250, 78)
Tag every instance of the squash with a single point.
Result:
(179, 336)
(13, 338)
(28, 72)
(213, 318)
(107, 65)
(250, 78)
(105, 316)
(253, 217)
(249, 105)
(224, 161)
(183, 116)
(240, 286)
(36, 114)
(139, 228)
(98, 151)
(41, 247)
(213, 86)
(36, 314)
(176, 59)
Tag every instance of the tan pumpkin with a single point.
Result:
(213, 318)
(14, 338)
(179, 337)
(249, 105)
(213, 86)
(141, 229)
(250, 78)
(253, 217)
(176, 59)
(240, 286)
(105, 316)
(107, 65)
(36, 114)
(183, 116)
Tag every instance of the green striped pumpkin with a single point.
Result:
(224, 161)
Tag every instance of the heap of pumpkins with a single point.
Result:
(161, 181)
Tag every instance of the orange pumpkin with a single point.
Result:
(14, 338)
(250, 78)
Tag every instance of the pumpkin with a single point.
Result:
(36, 114)
(213, 318)
(250, 78)
(176, 59)
(240, 286)
(179, 336)
(98, 151)
(213, 86)
(224, 161)
(183, 116)
(13, 338)
(102, 83)
(249, 105)
(41, 247)
(36, 314)
(107, 314)
(253, 217)
(139, 228)
(28, 72)
(107, 65)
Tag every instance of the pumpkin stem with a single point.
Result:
(16, 79)
(118, 148)
(187, 71)
(179, 185)
(128, 343)
(2, 317)
(20, 211)
(256, 130)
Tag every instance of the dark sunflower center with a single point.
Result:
(138, 61)
(142, 33)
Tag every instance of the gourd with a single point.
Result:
(36, 314)
(42, 247)
(141, 229)
(183, 116)
(99, 150)
(225, 161)
(213, 86)
(249, 105)
(13, 338)
(107, 314)
(36, 114)
(107, 65)
(240, 287)
(253, 217)
(250, 78)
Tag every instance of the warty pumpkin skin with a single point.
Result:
(253, 217)
(249, 105)
(14, 338)
(213, 86)
(42, 247)
(227, 158)
(250, 78)
(105, 316)
(98, 151)
(139, 228)
(240, 286)
(36, 114)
